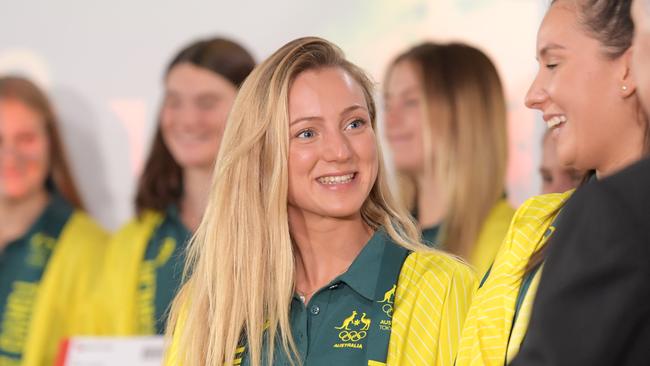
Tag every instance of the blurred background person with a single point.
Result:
(586, 90)
(145, 258)
(555, 177)
(446, 126)
(50, 250)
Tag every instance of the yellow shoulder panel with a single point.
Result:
(433, 295)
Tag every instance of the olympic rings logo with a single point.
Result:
(352, 336)
(388, 309)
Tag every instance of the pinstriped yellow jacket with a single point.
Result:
(486, 337)
(433, 295)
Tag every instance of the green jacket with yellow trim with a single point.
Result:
(115, 300)
(64, 289)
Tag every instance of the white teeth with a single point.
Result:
(555, 121)
(341, 179)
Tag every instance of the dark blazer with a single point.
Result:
(592, 307)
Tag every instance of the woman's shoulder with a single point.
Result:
(81, 248)
(142, 224)
(81, 227)
(501, 211)
(434, 271)
(132, 237)
(542, 205)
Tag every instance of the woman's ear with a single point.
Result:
(626, 80)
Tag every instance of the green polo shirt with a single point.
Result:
(161, 272)
(348, 322)
(22, 265)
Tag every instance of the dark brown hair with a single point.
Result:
(161, 183)
(58, 178)
(610, 22)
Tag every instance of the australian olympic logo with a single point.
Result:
(352, 336)
(353, 329)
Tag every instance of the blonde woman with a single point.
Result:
(446, 126)
(303, 257)
(587, 94)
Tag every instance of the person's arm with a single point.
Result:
(591, 305)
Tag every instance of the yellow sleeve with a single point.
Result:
(434, 292)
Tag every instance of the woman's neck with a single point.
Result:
(17, 216)
(325, 247)
(625, 151)
(430, 201)
(196, 188)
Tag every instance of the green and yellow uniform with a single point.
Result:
(45, 280)
(498, 318)
(390, 306)
(143, 271)
(489, 239)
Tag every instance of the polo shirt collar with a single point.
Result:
(366, 270)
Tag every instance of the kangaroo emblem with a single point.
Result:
(365, 321)
(349, 320)
(389, 295)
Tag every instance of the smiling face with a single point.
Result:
(24, 150)
(404, 117)
(196, 106)
(333, 158)
(584, 94)
(641, 53)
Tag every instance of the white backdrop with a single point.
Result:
(102, 63)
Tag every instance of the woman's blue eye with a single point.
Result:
(306, 134)
(355, 124)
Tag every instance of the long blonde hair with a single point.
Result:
(465, 114)
(241, 258)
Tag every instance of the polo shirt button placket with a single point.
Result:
(315, 310)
